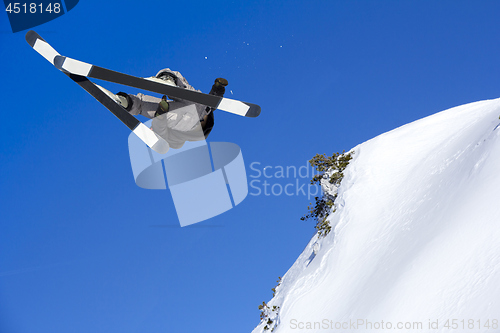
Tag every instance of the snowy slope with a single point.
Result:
(416, 237)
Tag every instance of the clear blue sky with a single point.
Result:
(83, 249)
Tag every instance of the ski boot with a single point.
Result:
(125, 100)
(219, 87)
(121, 98)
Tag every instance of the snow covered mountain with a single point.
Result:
(415, 241)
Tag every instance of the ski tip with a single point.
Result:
(161, 147)
(31, 37)
(59, 62)
(150, 138)
(254, 110)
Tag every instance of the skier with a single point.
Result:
(176, 120)
(191, 118)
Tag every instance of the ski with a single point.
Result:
(149, 137)
(225, 104)
(154, 141)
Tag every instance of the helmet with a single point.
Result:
(170, 78)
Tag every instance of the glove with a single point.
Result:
(163, 106)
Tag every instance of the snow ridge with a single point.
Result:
(415, 236)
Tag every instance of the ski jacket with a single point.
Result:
(182, 122)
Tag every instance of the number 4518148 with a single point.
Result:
(32, 8)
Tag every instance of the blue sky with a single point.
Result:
(83, 249)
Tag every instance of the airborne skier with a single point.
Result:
(174, 119)
(188, 116)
